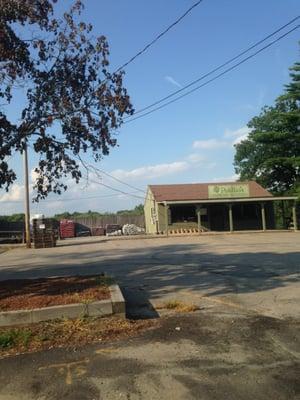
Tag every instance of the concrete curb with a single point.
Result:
(103, 308)
(117, 301)
(209, 233)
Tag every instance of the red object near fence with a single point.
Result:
(98, 231)
(67, 229)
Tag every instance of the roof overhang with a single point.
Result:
(240, 200)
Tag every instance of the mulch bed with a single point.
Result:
(27, 294)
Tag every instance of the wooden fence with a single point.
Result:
(138, 220)
(11, 232)
(11, 226)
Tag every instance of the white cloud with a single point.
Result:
(33, 175)
(231, 178)
(173, 81)
(15, 193)
(237, 135)
(195, 158)
(239, 139)
(210, 144)
(237, 132)
(230, 138)
(152, 171)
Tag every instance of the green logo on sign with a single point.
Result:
(228, 191)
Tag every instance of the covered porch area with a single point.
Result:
(220, 215)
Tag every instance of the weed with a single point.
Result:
(7, 339)
(103, 280)
(179, 306)
(15, 337)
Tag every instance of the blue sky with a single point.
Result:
(192, 139)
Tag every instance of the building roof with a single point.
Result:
(199, 191)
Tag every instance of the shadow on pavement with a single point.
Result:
(138, 305)
(147, 272)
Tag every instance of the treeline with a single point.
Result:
(138, 210)
(13, 218)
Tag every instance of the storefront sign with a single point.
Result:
(228, 191)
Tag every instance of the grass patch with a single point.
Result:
(178, 306)
(103, 280)
(15, 337)
(70, 333)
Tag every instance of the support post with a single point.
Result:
(230, 217)
(263, 216)
(295, 217)
(167, 218)
(26, 192)
(199, 218)
(283, 215)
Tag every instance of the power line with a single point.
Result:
(116, 179)
(102, 184)
(216, 77)
(69, 199)
(116, 190)
(159, 36)
(89, 167)
(120, 181)
(215, 69)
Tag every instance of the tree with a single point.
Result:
(13, 218)
(138, 210)
(72, 103)
(271, 153)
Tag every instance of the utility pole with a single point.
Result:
(26, 190)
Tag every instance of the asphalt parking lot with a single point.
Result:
(259, 272)
(242, 343)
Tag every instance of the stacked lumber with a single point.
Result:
(43, 233)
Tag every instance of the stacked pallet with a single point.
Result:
(67, 229)
(98, 231)
(43, 233)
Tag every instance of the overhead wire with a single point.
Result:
(115, 189)
(216, 68)
(143, 50)
(214, 78)
(115, 178)
(69, 199)
(185, 94)
(159, 36)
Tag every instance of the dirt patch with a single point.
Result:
(4, 248)
(26, 294)
(68, 333)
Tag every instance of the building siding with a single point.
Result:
(161, 212)
(150, 204)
